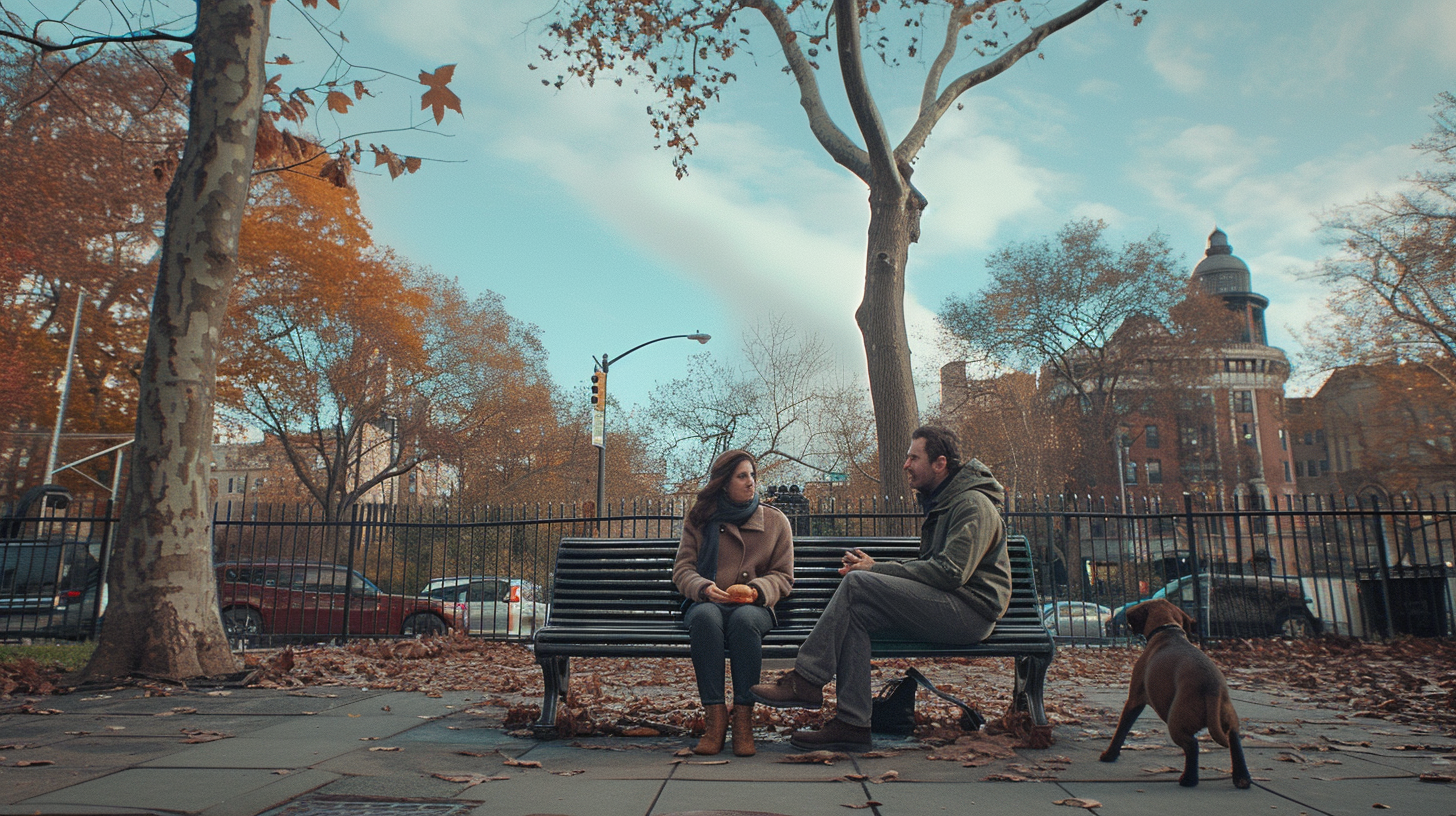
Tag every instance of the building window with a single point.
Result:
(1247, 431)
(1286, 471)
(1155, 471)
(1324, 466)
(1299, 469)
(1244, 402)
(1188, 436)
(1129, 475)
(1150, 436)
(1309, 437)
(1319, 437)
(230, 484)
(1283, 440)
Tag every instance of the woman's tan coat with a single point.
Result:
(759, 553)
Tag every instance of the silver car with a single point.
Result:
(496, 604)
(1076, 619)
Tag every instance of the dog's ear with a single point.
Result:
(1188, 621)
(1137, 618)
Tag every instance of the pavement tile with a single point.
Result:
(1212, 797)
(569, 796)
(930, 798)
(797, 798)
(189, 790)
(1405, 796)
(649, 762)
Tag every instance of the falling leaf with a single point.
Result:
(1079, 803)
(439, 97)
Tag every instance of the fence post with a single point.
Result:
(1195, 567)
(1384, 567)
(349, 577)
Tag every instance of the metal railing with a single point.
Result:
(1345, 566)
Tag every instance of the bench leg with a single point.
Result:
(1030, 685)
(556, 672)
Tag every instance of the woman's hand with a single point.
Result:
(855, 560)
(716, 595)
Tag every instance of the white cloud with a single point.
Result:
(1172, 51)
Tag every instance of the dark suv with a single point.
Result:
(294, 598)
(1237, 606)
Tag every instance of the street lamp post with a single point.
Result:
(599, 420)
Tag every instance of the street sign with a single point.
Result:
(838, 478)
(599, 428)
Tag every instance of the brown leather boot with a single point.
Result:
(712, 741)
(743, 730)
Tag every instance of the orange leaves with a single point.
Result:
(340, 102)
(314, 3)
(397, 164)
(182, 63)
(439, 97)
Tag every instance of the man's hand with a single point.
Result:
(855, 560)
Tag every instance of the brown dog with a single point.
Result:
(1185, 688)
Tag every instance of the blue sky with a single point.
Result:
(1251, 115)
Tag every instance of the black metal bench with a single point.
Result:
(614, 597)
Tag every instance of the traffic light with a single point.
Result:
(599, 390)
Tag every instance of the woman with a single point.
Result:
(736, 561)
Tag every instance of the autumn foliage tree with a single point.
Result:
(84, 143)
(163, 615)
(683, 52)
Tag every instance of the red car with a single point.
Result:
(293, 598)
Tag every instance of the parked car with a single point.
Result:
(294, 598)
(1238, 606)
(1076, 619)
(496, 604)
(49, 581)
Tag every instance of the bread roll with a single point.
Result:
(742, 593)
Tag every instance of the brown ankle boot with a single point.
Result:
(743, 730)
(712, 741)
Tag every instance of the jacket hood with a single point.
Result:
(974, 475)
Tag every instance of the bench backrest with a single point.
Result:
(606, 582)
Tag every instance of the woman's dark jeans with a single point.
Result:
(741, 627)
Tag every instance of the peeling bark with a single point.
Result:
(162, 619)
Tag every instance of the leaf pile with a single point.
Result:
(26, 676)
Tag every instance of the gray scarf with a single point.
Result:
(728, 512)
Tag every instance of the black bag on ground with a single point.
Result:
(894, 707)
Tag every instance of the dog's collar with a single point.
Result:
(1164, 628)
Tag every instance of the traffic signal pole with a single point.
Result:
(599, 412)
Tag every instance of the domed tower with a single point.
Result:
(1245, 391)
(1223, 273)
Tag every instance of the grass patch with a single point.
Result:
(70, 656)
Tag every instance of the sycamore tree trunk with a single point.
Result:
(163, 620)
(894, 219)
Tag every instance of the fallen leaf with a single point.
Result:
(1379, 806)
(887, 776)
(521, 763)
(569, 773)
(470, 753)
(386, 748)
(281, 772)
(1081, 803)
(219, 693)
(470, 780)
(368, 739)
(32, 763)
(195, 736)
(1441, 779)
(1004, 777)
(641, 731)
(826, 757)
(871, 803)
(115, 728)
(1162, 770)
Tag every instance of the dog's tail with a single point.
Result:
(1218, 725)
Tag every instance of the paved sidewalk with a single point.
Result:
(349, 751)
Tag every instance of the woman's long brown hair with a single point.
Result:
(723, 468)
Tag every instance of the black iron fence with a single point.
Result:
(1346, 566)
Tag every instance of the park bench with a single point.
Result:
(614, 597)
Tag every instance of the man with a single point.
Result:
(953, 592)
